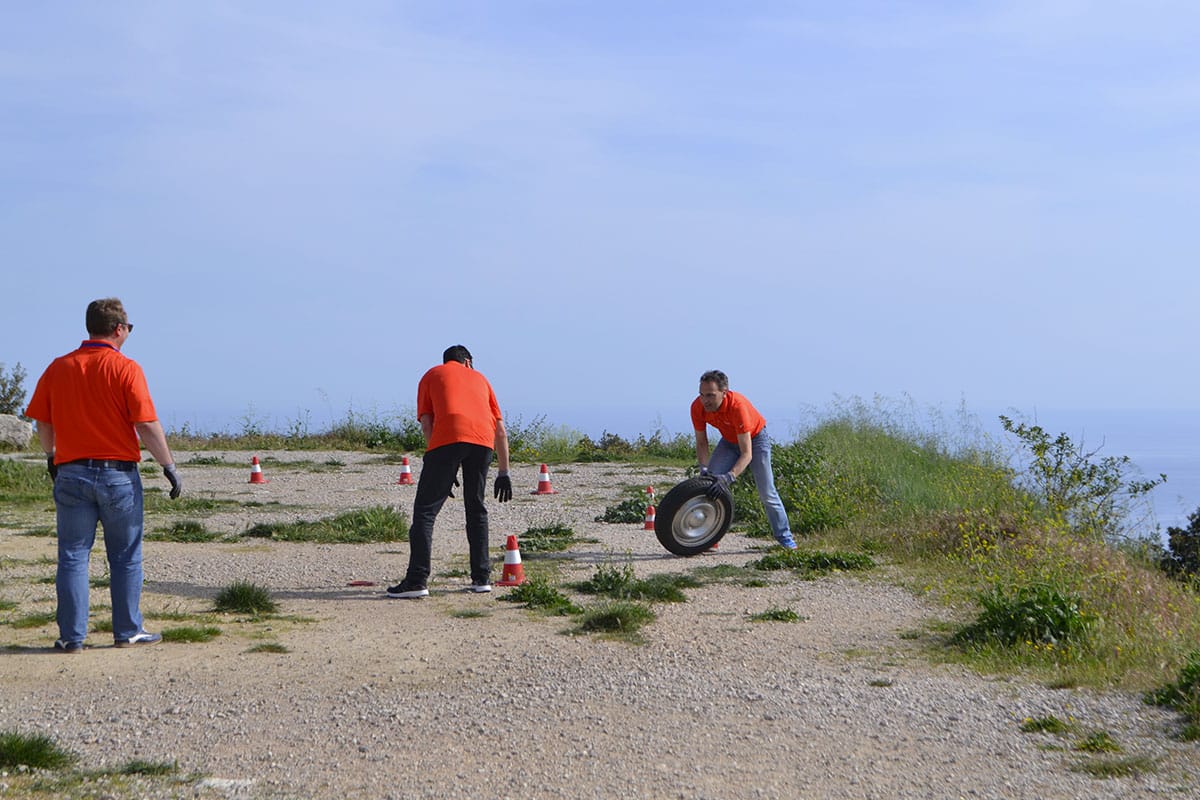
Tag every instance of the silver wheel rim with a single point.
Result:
(697, 520)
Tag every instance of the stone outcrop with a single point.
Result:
(15, 432)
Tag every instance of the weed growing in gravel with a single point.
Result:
(244, 597)
(191, 634)
(470, 613)
(539, 593)
(33, 750)
(776, 615)
(188, 531)
(1128, 767)
(550, 538)
(373, 524)
(7, 605)
(140, 767)
(608, 579)
(1098, 742)
(1048, 724)
(813, 562)
(631, 510)
(620, 619)
(35, 620)
(269, 647)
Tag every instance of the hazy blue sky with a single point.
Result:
(302, 204)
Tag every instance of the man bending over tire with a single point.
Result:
(744, 443)
(461, 421)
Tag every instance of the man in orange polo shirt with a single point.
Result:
(744, 443)
(91, 407)
(461, 421)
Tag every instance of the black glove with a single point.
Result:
(176, 481)
(456, 483)
(721, 485)
(502, 490)
(51, 467)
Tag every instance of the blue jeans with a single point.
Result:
(438, 470)
(84, 496)
(725, 455)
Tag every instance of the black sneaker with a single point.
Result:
(408, 590)
(68, 647)
(479, 587)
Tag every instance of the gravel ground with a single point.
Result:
(462, 696)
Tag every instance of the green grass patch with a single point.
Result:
(813, 562)
(630, 511)
(140, 767)
(373, 524)
(35, 620)
(191, 634)
(32, 750)
(1127, 767)
(620, 619)
(470, 613)
(244, 597)
(187, 531)
(1098, 742)
(22, 483)
(547, 539)
(269, 647)
(539, 593)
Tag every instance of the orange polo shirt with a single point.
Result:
(462, 403)
(93, 396)
(735, 416)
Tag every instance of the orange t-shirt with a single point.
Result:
(93, 396)
(735, 416)
(462, 403)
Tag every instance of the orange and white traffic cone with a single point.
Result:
(256, 473)
(649, 524)
(544, 486)
(514, 573)
(406, 478)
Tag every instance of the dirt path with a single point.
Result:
(466, 696)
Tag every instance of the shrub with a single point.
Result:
(1037, 614)
(1091, 496)
(1183, 545)
(631, 510)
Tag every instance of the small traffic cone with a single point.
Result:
(405, 473)
(649, 525)
(256, 473)
(544, 486)
(514, 573)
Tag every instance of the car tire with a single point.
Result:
(688, 521)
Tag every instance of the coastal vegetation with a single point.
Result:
(1048, 545)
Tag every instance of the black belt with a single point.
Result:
(97, 463)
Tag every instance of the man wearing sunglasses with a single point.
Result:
(92, 406)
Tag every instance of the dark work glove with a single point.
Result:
(721, 485)
(176, 481)
(51, 467)
(502, 490)
(456, 483)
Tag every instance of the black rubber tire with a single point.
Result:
(688, 522)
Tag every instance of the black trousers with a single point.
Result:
(438, 470)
